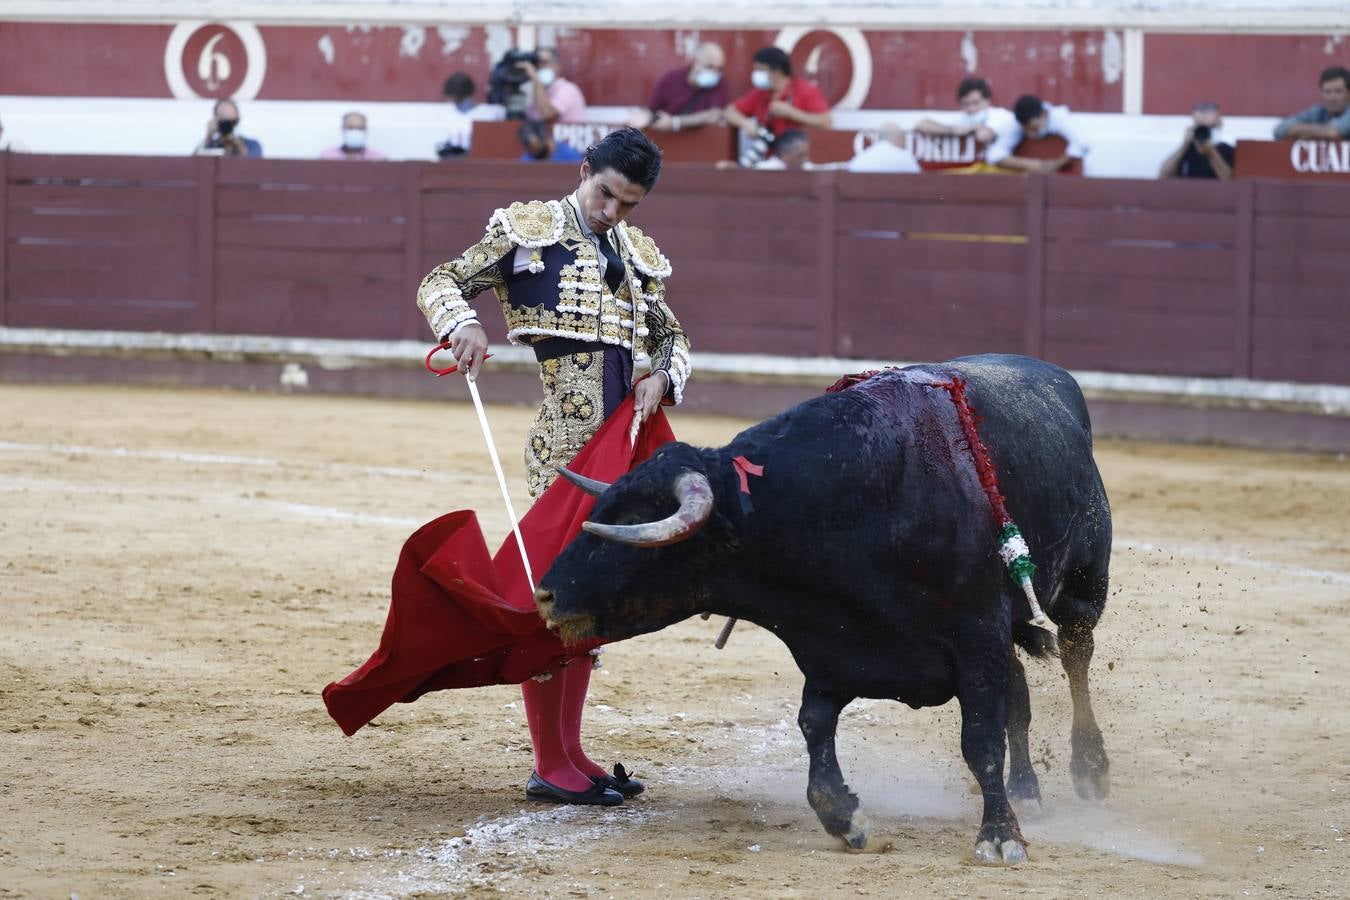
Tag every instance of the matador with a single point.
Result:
(587, 293)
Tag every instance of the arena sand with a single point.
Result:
(181, 572)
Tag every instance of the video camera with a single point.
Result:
(506, 84)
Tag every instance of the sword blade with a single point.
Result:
(501, 477)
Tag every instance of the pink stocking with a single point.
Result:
(576, 679)
(544, 710)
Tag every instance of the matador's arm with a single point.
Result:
(664, 339)
(445, 293)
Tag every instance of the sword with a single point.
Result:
(492, 452)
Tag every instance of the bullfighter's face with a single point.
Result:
(606, 198)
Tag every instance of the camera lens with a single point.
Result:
(1202, 133)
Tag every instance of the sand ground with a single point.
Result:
(181, 572)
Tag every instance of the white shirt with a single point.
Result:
(1058, 121)
(883, 156)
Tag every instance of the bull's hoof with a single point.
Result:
(1025, 791)
(1092, 785)
(859, 830)
(1008, 852)
(1090, 767)
(1027, 807)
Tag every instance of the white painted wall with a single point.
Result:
(1270, 16)
(1123, 146)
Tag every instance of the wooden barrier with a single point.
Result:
(709, 144)
(1169, 277)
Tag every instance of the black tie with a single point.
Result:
(614, 269)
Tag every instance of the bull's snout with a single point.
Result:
(571, 627)
(543, 601)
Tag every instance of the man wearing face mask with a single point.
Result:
(222, 134)
(353, 144)
(687, 96)
(1202, 153)
(979, 116)
(537, 140)
(555, 98)
(1036, 120)
(586, 292)
(778, 101)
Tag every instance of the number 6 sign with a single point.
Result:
(214, 60)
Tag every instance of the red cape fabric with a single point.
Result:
(459, 618)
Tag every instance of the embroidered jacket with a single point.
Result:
(562, 293)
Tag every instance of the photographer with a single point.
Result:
(222, 134)
(1201, 154)
(555, 98)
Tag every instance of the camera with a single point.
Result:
(1202, 134)
(756, 149)
(506, 84)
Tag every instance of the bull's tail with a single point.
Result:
(1037, 641)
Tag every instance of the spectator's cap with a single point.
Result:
(1206, 106)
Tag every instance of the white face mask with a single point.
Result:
(760, 79)
(707, 78)
(976, 118)
(354, 138)
(547, 77)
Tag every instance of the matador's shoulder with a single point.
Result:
(538, 223)
(646, 256)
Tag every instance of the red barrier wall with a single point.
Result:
(1190, 278)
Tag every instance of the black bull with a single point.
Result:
(869, 548)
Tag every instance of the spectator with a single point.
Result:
(1328, 121)
(778, 101)
(222, 134)
(1201, 154)
(537, 139)
(978, 115)
(555, 98)
(353, 144)
(1035, 120)
(7, 144)
(887, 154)
(458, 91)
(792, 153)
(687, 96)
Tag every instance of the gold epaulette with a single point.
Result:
(538, 223)
(647, 258)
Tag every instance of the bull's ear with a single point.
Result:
(589, 485)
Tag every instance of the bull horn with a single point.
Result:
(589, 485)
(696, 502)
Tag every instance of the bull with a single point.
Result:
(865, 542)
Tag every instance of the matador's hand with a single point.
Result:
(647, 397)
(469, 345)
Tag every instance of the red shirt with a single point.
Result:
(800, 93)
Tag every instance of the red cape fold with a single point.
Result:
(460, 618)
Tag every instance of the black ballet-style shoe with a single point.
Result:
(620, 781)
(596, 795)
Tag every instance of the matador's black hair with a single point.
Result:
(630, 153)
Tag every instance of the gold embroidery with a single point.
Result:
(538, 223)
(572, 411)
(646, 256)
